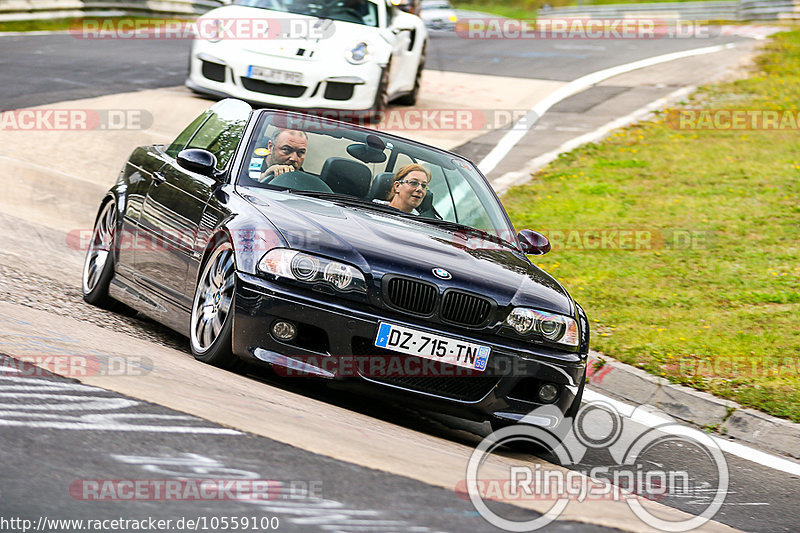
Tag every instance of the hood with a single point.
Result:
(289, 35)
(381, 243)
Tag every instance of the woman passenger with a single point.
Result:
(409, 188)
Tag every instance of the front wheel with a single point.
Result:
(381, 96)
(411, 98)
(212, 309)
(98, 267)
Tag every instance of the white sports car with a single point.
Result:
(438, 14)
(347, 55)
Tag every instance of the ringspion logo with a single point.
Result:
(636, 469)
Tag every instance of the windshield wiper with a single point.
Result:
(455, 226)
(352, 200)
(446, 224)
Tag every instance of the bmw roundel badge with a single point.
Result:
(442, 273)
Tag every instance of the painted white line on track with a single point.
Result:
(37, 32)
(510, 179)
(655, 419)
(522, 126)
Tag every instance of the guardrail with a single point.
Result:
(723, 10)
(719, 10)
(769, 9)
(52, 9)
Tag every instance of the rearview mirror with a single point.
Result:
(197, 160)
(533, 242)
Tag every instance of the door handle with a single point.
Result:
(158, 178)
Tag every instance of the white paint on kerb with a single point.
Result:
(654, 420)
(510, 179)
(521, 127)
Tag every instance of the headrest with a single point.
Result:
(346, 176)
(381, 185)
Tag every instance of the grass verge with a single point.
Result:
(710, 299)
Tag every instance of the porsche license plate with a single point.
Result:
(431, 346)
(274, 75)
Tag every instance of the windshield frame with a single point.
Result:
(323, 14)
(241, 177)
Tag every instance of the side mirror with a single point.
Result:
(533, 242)
(197, 160)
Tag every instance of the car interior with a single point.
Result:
(360, 164)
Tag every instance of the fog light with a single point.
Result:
(548, 393)
(284, 331)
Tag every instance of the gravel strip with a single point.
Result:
(46, 294)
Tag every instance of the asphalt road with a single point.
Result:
(42, 462)
(41, 69)
(81, 465)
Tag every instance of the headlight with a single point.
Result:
(208, 29)
(358, 54)
(308, 268)
(556, 328)
(453, 18)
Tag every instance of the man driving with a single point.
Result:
(287, 151)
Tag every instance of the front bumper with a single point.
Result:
(330, 328)
(223, 71)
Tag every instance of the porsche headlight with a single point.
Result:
(208, 29)
(358, 54)
(555, 328)
(308, 268)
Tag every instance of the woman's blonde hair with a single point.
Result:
(405, 171)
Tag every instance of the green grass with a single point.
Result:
(721, 312)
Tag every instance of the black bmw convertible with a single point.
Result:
(308, 245)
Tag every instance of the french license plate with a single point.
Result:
(274, 75)
(434, 347)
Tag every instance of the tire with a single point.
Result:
(411, 98)
(98, 267)
(211, 321)
(524, 446)
(381, 96)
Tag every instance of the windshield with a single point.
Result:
(436, 5)
(364, 12)
(300, 153)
